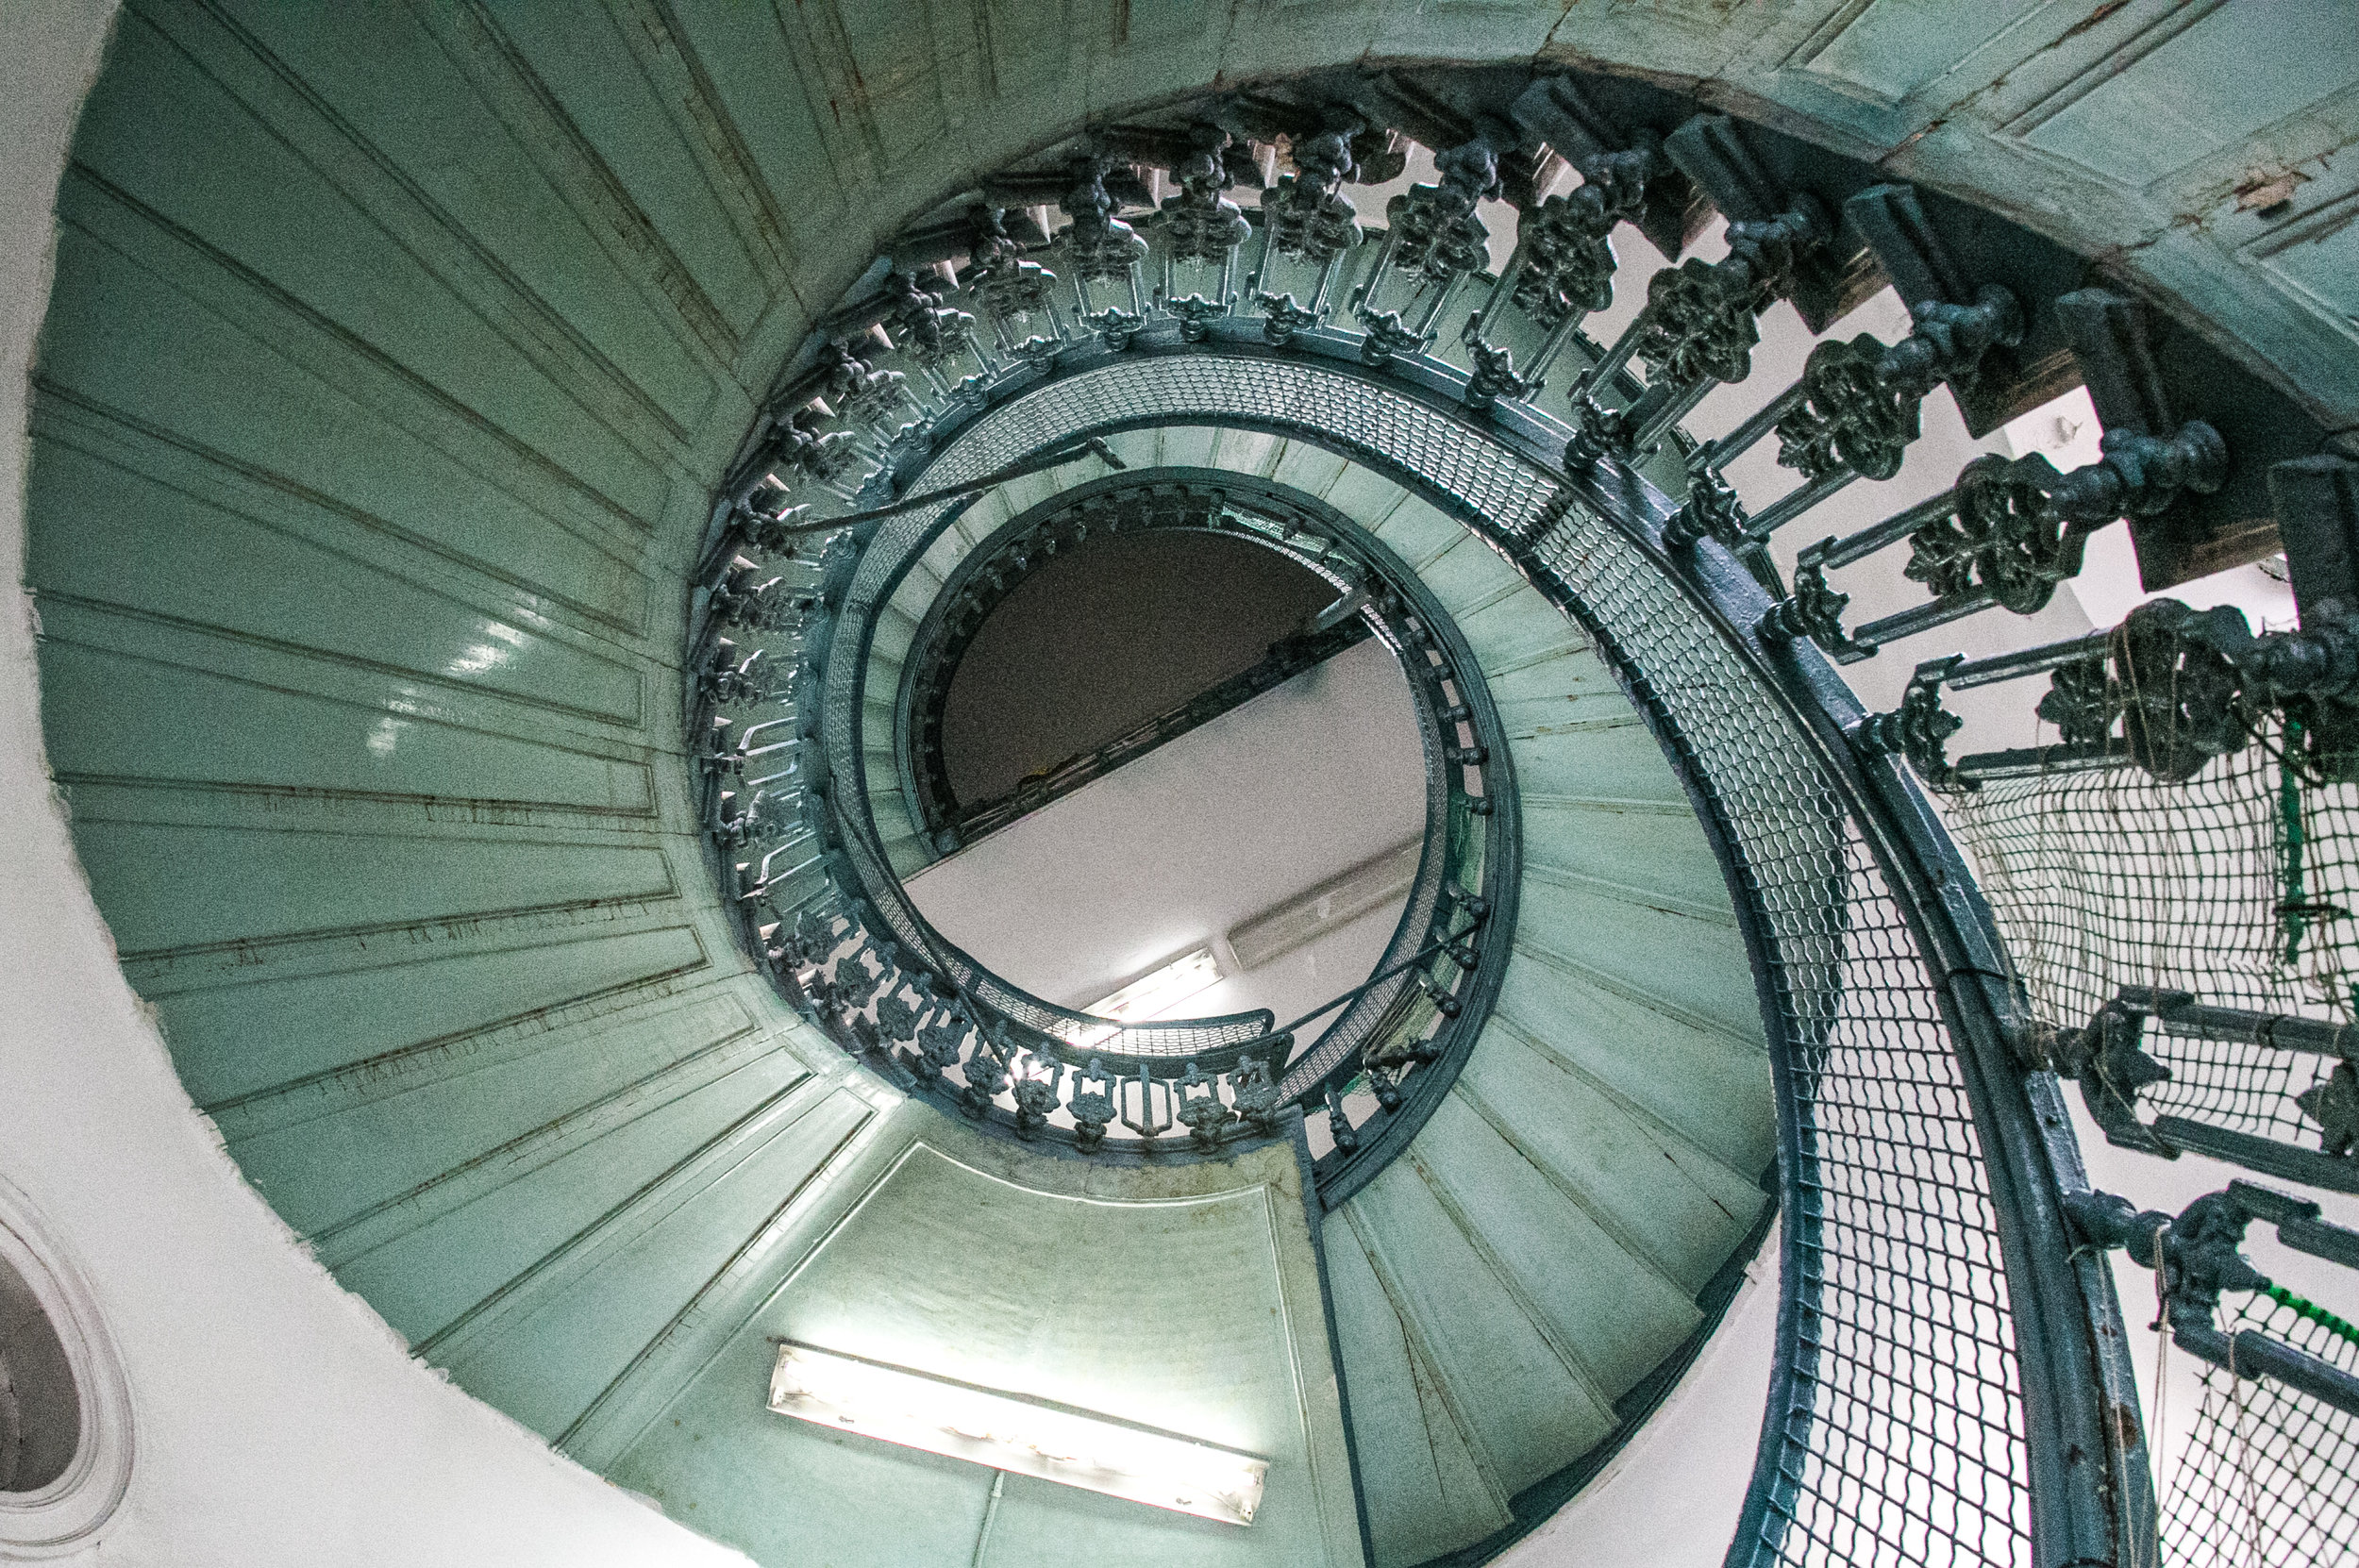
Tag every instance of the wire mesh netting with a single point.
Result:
(2239, 887)
(1903, 1441)
(2270, 1475)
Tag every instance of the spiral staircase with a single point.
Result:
(499, 478)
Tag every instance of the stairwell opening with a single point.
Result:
(1176, 793)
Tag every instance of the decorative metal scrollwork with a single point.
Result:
(1199, 223)
(1097, 246)
(2081, 702)
(1009, 288)
(1920, 729)
(1435, 232)
(1093, 1106)
(1849, 417)
(1701, 317)
(2004, 539)
(923, 328)
(1565, 263)
(1712, 511)
(1307, 216)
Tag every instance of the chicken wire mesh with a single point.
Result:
(1902, 1440)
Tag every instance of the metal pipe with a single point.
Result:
(1661, 408)
(1623, 347)
(2037, 761)
(1925, 617)
(1797, 501)
(1554, 344)
(2027, 662)
(1892, 530)
(1764, 419)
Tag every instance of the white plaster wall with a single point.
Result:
(1178, 848)
(276, 1420)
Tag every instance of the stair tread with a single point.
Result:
(1424, 1487)
(1613, 1312)
(1656, 851)
(1711, 1087)
(1625, 763)
(1469, 575)
(1668, 1202)
(1527, 1413)
(1418, 531)
(1697, 966)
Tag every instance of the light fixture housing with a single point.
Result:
(1016, 1432)
(1158, 992)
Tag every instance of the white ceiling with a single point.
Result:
(1230, 820)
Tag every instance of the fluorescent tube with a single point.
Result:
(1010, 1432)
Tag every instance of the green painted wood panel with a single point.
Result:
(170, 554)
(1426, 1489)
(1604, 1311)
(1655, 851)
(385, 1163)
(1528, 1413)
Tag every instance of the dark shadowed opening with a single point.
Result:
(1098, 640)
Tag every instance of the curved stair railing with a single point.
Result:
(931, 1019)
(1952, 1381)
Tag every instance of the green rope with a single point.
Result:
(2311, 1311)
(2289, 816)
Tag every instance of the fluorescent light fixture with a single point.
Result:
(1010, 1432)
(1155, 994)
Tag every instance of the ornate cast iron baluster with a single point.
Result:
(727, 678)
(929, 332)
(858, 393)
(1253, 1089)
(1562, 269)
(1098, 247)
(986, 1072)
(1199, 1107)
(1951, 341)
(1494, 375)
(1203, 226)
(1093, 1106)
(1011, 289)
(1305, 218)
(795, 452)
(1147, 1124)
(1434, 233)
(1700, 322)
(1339, 1128)
(2197, 1253)
(939, 1045)
(1036, 1094)
(2007, 534)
